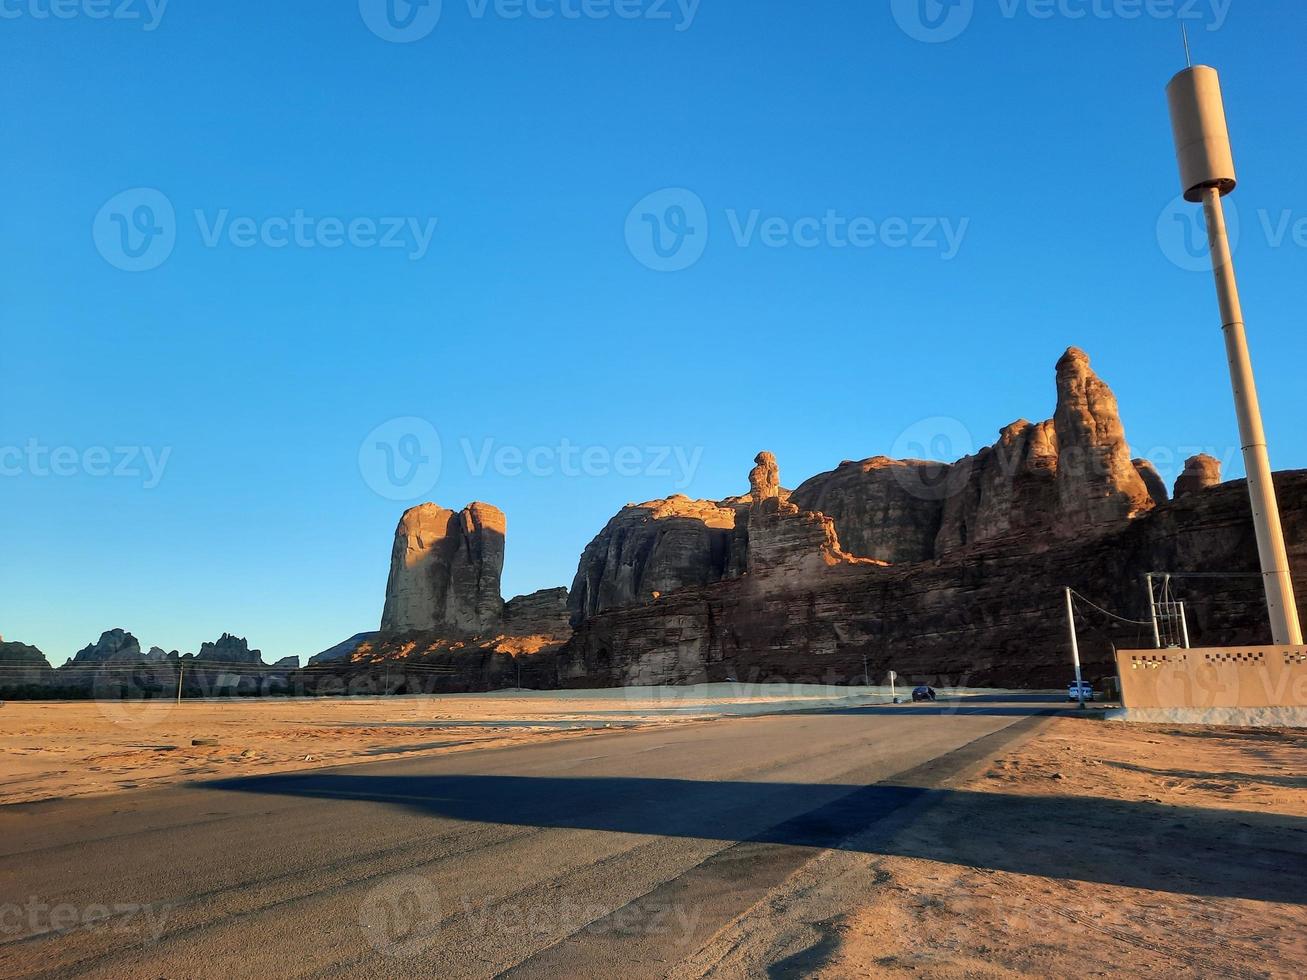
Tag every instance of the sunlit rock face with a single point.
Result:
(1009, 486)
(1058, 476)
(445, 570)
(650, 549)
(1096, 478)
(1200, 472)
(785, 540)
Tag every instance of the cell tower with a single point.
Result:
(1202, 146)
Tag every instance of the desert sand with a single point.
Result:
(1093, 849)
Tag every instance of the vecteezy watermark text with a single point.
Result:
(402, 459)
(35, 917)
(567, 459)
(668, 230)
(136, 230)
(148, 13)
(407, 21)
(937, 21)
(35, 459)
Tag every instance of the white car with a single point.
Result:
(1081, 691)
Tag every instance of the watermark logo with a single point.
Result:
(667, 231)
(401, 21)
(1182, 233)
(400, 459)
(933, 21)
(406, 21)
(401, 916)
(937, 21)
(147, 13)
(136, 229)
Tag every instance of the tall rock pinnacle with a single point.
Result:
(1096, 478)
(445, 570)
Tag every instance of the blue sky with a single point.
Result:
(897, 239)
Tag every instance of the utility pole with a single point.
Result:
(1075, 646)
(1206, 159)
(180, 669)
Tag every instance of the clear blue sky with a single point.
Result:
(530, 320)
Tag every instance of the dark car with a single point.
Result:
(923, 693)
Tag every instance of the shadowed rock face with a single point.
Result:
(1200, 472)
(657, 547)
(1152, 480)
(542, 613)
(116, 645)
(229, 649)
(984, 615)
(1008, 486)
(445, 570)
(883, 508)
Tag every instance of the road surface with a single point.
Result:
(613, 854)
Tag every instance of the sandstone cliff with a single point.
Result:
(1059, 476)
(656, 547)
(1200, 472)
(987, 614)
(445, 570)
(786, 544)
(883, 508)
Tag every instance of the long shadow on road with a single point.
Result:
(1166, 844)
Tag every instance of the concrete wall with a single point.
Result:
(1214, 677)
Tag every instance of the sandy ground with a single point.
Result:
(75, 748)
(1095, 848)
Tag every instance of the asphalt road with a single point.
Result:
(616, 853)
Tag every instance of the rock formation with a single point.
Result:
(1096, 480)
(982, 616)
(1007, 487)
(1200, 472)
(342, 650)
(1059, 476)
(229, 650)
(22, 667)
(543, 613)
(656, 547)
(882, 508)
(445, 570)
(783, 539)
(1152, 480)
(114, 646)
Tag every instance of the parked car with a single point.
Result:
(923, 693)
(1084, 690)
